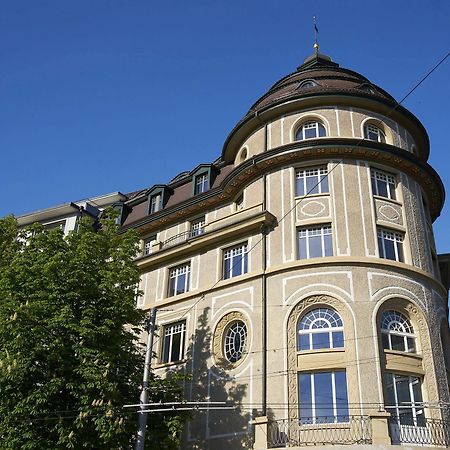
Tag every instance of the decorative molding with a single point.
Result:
(219, 336)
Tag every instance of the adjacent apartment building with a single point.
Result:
(296, 277)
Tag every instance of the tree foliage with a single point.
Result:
(69, 352)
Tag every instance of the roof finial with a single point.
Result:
(316, 32)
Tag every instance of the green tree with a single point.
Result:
(69, 351)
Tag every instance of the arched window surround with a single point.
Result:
(415, 312)
(309, 117)
(332, 360)
(377, 123)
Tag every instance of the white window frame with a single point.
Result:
(197, 227)
(398, 325)
(169, 331)
(230, 352)
(388, 179)
(371, 129)
(176, 273)
(147, 245)
(232, 253)
(309, 232)
(412, 379)
(318, 173)
(201, 183)
(155, 203)
(310, 125)
(398, 239)
(313, 395)
(321, 315)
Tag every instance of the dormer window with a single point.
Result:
(201, 183)
(155, 203)
(158, 196)
(307, 84)
(203, 178)
(310, 130)
(373, 133)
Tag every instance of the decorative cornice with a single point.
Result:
(293, 153)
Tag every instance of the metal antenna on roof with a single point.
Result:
(316, 32)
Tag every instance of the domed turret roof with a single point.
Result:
(318, 75)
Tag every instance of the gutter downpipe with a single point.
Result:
(264, 290)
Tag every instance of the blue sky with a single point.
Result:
(104, 95)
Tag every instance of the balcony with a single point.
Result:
(432, 432)
(182, 237)
(377, 428)
(290, 433)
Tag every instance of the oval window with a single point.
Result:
(235, 341)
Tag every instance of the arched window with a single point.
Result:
(397, 332)
(374, 133)
(310, 130)
(320, 328)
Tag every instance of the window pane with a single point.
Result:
(237, 265)
(323, 397)
(245, 257)
(374, 186)
(322, 131)
(321, 340)
(226, 268)
(400, 251)
(303, 342)
(324, 184)
(176, 345)
(315, 246)
(166, 348)
(312, 186)
(172, 282)
(299, 186)
(385, 341)
(341, 396)
(302, 248)
(310, 133)
(181, 284)
(392, 190)
(398, 342)
(328, 242)
(382, 188)
(338, 339)
(411, 345)
(389, 249)
(305, 398)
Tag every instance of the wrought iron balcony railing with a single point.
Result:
(292, 433)
(182, 237)
(430, 432)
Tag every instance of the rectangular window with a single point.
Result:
(315, 242)
(383, 184)
(390, 245)
(323, 397)
(201, 183)
(61, 224)
(197, 227)
(148, 244)
(311, 181)
(173, 343)
(155, 203)
(404, 399)
(235, 261)
(179, 279)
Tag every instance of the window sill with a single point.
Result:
(387, 199)
(162, 365)
(320, 350)
(322, 194)
(402, 353)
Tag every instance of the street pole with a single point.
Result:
(143, 400)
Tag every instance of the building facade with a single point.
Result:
(297, 278)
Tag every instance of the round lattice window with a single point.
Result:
(231, 340)
(235, 341)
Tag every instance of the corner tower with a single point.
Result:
(300, 281)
